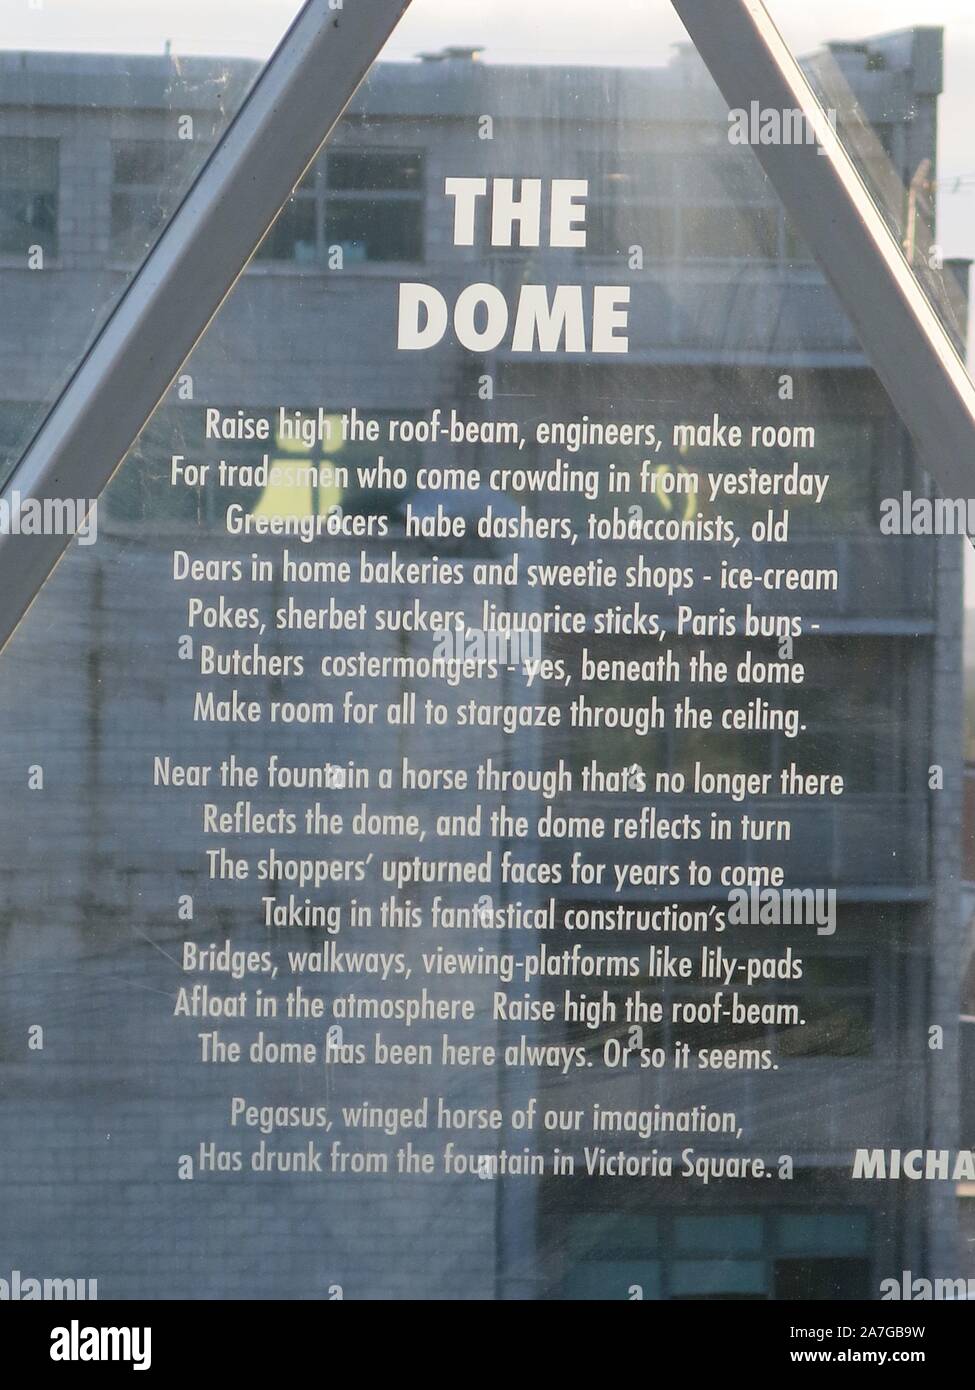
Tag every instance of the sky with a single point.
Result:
(626, 31)
(622, 31)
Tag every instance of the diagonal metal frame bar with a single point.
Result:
(902, 335)
(280, 127)
(918, 364)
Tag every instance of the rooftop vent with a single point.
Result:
(458, 55)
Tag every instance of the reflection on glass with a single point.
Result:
(262, 580)
(96, 152)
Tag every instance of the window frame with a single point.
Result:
(315, 189)
(15, 255)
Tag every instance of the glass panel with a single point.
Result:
(482, 809)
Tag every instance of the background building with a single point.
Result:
(725, 303)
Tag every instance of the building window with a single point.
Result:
(631, 203)
(712, 1255)
(731, 233)
(726, 208)
(28, 195)
(688, 205)
(148, 176)
(15, 430)
(369, 203)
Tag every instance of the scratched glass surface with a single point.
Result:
(97, 148)
(502, 585)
